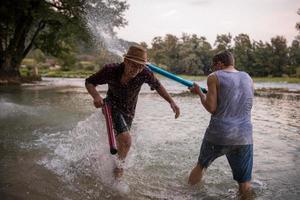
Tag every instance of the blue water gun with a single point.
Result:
(169, 75)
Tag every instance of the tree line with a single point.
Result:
(59, 28)
(191, 54)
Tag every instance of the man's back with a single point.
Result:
(231, 122)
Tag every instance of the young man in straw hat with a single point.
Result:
(124, 83)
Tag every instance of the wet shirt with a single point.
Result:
(123, 97)
(231, 122)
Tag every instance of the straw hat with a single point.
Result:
(136, 54)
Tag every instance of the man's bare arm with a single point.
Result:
(164, 94)
(98, 100)
(209, 100)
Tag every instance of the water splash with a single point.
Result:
(98, 22)
(83, 150)
(10, 109)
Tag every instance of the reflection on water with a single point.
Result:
(53, 145)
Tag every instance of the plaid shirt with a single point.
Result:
(123, 97)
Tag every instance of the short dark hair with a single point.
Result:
(224, 57)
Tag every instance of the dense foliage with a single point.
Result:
(192, 55)
(57, 27)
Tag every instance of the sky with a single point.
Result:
(260, 19)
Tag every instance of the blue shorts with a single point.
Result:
(240, 158)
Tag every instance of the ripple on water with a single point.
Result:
(164, 151)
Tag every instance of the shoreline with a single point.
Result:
(278, 93)
(270, 89)
(86, 73)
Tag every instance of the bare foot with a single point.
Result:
(248, 195)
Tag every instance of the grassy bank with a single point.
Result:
(60, 73)
(277, 79)
(66, 74)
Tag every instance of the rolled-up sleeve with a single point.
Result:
(99, 78)
(151, 80)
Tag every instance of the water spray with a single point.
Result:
(98, 27)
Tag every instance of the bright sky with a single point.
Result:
(260, 19)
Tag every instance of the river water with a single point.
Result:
(53, 145)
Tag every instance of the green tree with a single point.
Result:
(223, 42)
(164, 51)
(55, 27)
(298, 26)
(243, 52)
(156, 53)
(171, 51)
(194, 55)
(37, 55)
(294, 58)
(294, 53)
(280, 55)
(262, 65)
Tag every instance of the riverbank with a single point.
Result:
(279, 90)
(278, 93)
(86, 73)
(60, 73)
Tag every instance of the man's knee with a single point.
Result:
(124, 139)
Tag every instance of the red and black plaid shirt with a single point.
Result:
(123, 97)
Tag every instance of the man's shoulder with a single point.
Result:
(112, 66)
(212, 77)
(212, 74)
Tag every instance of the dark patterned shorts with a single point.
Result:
(121, 122)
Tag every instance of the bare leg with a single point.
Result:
(245, 190)
(123, 143)
(196, 174)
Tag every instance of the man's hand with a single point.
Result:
(195, 89)
(164, 94)
(175, 109)
(98, 102)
